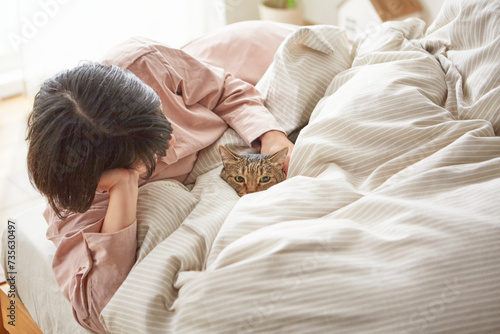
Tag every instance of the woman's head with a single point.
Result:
(87, 120)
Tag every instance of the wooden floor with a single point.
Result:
(16, 192)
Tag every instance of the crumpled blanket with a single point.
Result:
(388, 221)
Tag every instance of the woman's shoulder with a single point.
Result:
(126, 53)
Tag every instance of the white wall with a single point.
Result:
(11, 75)
(43, 37)
(321, 11)
(59, 34)
(316, 11)
(241, 10)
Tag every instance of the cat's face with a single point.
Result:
(253, 172)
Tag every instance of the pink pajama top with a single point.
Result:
(200, 101)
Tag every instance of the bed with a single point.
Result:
(388, 221)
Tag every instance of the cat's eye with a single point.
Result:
(264, 179)
(239, 179)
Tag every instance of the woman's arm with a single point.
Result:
(200, 100)
(122, 186)
(238, 103)
(96, 249)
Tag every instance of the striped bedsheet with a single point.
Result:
(389, 219)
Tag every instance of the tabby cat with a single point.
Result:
(250, 173)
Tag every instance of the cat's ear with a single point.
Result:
(227, 156)
(279, 157)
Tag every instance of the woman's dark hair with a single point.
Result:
(87, 120)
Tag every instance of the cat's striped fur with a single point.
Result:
(251, 173)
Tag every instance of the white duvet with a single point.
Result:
(389, 221)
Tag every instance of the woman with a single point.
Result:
(99, 131)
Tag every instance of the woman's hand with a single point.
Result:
(123, 187)
(273, 141)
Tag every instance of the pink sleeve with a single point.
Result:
(90, 266)
(238, 103)
(242, 107)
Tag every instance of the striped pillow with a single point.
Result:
(297, 78)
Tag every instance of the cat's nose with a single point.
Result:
(252, 188)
